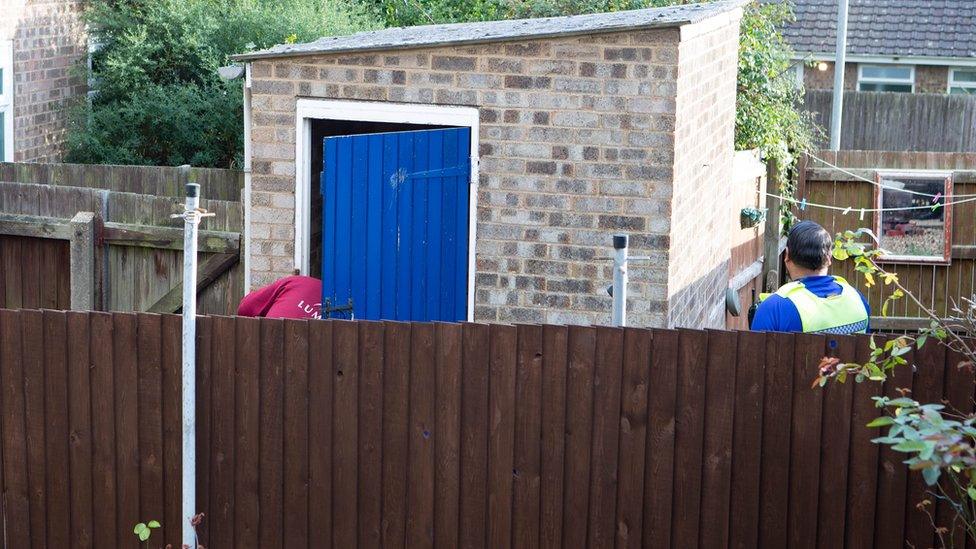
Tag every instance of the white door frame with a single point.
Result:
(369, 111)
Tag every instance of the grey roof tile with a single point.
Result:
(927, 28)
(494, 31)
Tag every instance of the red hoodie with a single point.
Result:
(291, 297)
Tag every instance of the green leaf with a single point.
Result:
(141, 527)
(881, 421)
(921, 340)
(972, 492)
(144, 535)
(931, 475)
(909, 446)
(154, 524)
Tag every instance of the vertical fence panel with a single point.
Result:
(862, 466)
(606, 429)
(126, 426)
(805, 443)
(747, 440)
(447, 442)
(321, 373)
(150, 422)
(204, 438)
(420, 468)
(296, 434)
(474, 436)
(103, 430)
(504, 341)
(271, 447)
(370, 433)
(633, 436)
(79, 418)
(345, 441)
(836, 433)
(56, 433)
(223, 410)
(777, 418)
(717, 458)
(689, 432)
(396, 425)
(12, 406)
(661, 410)
(172, 390)
(959, 387)
(33, 357)
(553, 454)
(247, 425)
(528, 432)
(889, 529)
(579, 432)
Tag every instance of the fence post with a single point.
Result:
(771, 231)
(82, 261)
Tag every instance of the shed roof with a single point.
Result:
(896, 28)
(498, 31)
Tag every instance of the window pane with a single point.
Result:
(886, 71)
(962, 91)
(3, 127)
(964, 76)
(868, 86)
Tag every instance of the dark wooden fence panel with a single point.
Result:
(900, 121)
(34, 273)
(349, 434)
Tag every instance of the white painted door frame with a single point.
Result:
(369, 111)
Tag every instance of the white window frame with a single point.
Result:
(7, 99)
(368, 111)
(860, 76)
(954, 84)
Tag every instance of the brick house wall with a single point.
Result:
(705, 120)
(928, 78)
(48, 41)
(577, 141)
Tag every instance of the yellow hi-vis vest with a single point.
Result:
(842, 313)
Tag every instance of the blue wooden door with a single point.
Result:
(395, 225)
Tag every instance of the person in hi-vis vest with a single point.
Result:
(814, 301)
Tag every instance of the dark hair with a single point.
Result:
(809, 245)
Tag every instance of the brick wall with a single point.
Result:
(700, 238)
(576, 143)
(931, 79)
(816, 79)
(48, 40)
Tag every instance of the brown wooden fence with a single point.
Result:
(344, 434)
(939, 287)
(900, 121)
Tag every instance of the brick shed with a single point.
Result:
(580, 127)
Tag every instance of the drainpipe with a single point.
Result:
(246, 198)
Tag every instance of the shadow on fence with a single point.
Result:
(344, 434)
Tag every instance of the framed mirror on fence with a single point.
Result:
(914, 223)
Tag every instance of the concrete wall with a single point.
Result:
(48, 40)
(577, 141)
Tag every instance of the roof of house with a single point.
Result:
(895, 28)
(495, 31)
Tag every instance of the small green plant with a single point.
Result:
(938, 441)
(143, 530)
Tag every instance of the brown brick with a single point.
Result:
(543, 168)
(452, 63)
(620, 54)
(528, 82)
(621, 222)
(541, 118)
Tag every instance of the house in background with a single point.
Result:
(40, 42)
(913, 46)
(576, 128)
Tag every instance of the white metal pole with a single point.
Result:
(192, 221)
(619, 280)
(840, 61)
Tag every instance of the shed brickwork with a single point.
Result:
(580, 137)
(48, 42)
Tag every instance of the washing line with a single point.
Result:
(883, 186)
(853, 208)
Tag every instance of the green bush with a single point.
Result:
(157, 97)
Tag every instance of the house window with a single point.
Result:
(962, 81)
(886, 78)
(6, 101)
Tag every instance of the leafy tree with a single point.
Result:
(157, 98)
(767, 113)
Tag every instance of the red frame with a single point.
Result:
(946, 258)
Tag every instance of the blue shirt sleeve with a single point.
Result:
(777, 314)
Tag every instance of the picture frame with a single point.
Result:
(922, 235)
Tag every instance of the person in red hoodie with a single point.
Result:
(294, 296)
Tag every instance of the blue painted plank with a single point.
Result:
(358, 169)
(448, 262)
(343, 238)
(433, 266)
(328, 184)
(417, 188)
(374, 225)
(388, 283)
(404, 227)
(463, 209)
